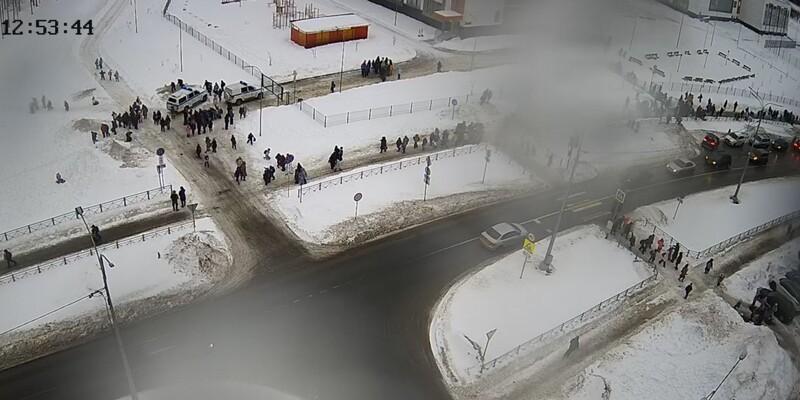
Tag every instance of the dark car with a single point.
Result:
(718, 160)
(710, 141)
(759, 157)
(793, 276)
(796, 143)
(760, 141)
(780, 144)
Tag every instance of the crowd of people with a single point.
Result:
(383, 67)
(464, 133)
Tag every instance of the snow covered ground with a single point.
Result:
(494, 297)
(435, 86)
(286, 129)
(686, 354)
(181, 261)
(37, 146)
(395, 196)
(760, 202)
(245, 28)
(774, 265)
(657, 31)
(150, 59)
(481, 44)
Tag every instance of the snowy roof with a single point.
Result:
(329, 23)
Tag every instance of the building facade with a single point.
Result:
(762, 16)
(462, 17)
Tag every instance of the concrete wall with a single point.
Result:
(482, 13)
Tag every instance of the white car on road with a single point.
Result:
(681, 166)
(735, 139)
(238, 93)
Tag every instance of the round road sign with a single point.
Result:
(160, 151)
(358, 196)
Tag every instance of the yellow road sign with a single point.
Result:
(529, 246)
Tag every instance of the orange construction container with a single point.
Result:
(313, 32)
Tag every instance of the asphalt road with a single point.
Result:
(354, 327)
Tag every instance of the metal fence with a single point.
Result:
(383, 112)
(728, 91)
(268, 83)
(319, 186)
(727, 242)
(152, 194)
(71, 258)
(559, 330)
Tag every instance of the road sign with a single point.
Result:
(454, 102)
(160, 151)
(529, 245)
(620, 196)
(192, 207)
(488, 155)
(358, 197)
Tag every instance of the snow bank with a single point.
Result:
(588, 270)
(394, 196)
(686, 354)
(164, 264)
(760, 202)
(774, 265)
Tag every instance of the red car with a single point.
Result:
(710, 141)
(796, 143)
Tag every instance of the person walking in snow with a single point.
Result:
(102, 75)
(688, 290)
(233, 142)
(96, 234)
(116, 75)
(300, 177)
(59, 179)
(198, 150)
(174, 197)
(10, 262)
(66, 106)
(269, 175)
(383, 144)
(684, 271)
(333, 86)
(182, 196)
(251, 139)
(208, 144)
(678, 259)
(653, 253)
(237, 174)
(205, 161)
(398, 143)
(214, 145)
(709, 265)
(719, 279)
(660, 244)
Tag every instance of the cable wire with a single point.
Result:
(84, 297)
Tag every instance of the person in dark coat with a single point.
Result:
(198, 150)
(709, 265)
(269, 175)
(251, 139)
(233, 142)
(719, 279)
(237, 174)
(96, 234)
(632, 242)
(333, 86)
(214, 145)
(684, 271)
(383, 145)
(174, 197)
(688, 290)
(678, 259)
(10, 262)
(182, 196)
(399, 143)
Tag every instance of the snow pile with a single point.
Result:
(393, 199)
(588, 270)
(246, 30)
(141, 271)
(774, 265)
(760, 202)
(686, 354)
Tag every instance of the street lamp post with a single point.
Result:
(112, 313)
(260, 103)
(735, 197)
(679, 32)
(486, 347)
(341, 71)
(546, 264)
(395, 12)
(742, 356)
(635, 22)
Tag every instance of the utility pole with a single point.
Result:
(135, 17)
(635, 22)
(260, 103)
(679, 32)
(395, 12)
(112, 313)
(180, 45)
(546, 264)
(341, 71)
(742, 356)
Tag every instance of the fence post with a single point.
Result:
(391, 108)
(53, 220)
(148, 195)
(29, 229)
(411, 109)
(143, 237)
(101, 207)
(370, 114)
(348, 117)
(124, 202)
(325, 124)
(430, 107)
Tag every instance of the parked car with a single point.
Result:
(185, 99)
(710, 141)
(503, 235)
(779, 144)
(793, 276)
(759, 157)
(760, 141)
(735, 139)
(786, 310)
(681, 166)
(796, 143)
(718, 160)
(791, 291)
(238, 93)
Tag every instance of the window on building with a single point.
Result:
(418, 4)
(725, 6)
(767, 14)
